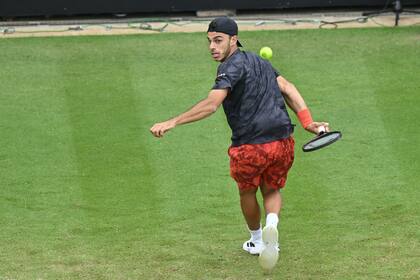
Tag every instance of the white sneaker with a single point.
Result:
(254, 247)
(270, 253)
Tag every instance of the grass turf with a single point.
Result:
(87, 193)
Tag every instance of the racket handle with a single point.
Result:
(321, 130)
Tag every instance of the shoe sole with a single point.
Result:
(270, 254)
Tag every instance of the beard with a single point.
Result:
(226, 53)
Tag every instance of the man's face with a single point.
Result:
(221, 45)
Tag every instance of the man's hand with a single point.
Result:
(318, 127)
(159, 129)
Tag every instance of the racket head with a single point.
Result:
(321, 141)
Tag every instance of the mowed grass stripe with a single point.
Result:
(117, 182)
(39, 184)
(399, 123)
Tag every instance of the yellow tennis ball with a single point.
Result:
(266, 52)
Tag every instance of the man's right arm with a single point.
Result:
(199, 111)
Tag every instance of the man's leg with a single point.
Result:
(251, 211)
(272, 199)
(272, 205)
(250, 208)
(247, 163)
(282, 153)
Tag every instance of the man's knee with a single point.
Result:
(248, 192)
(265, 190)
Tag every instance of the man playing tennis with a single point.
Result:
(254, 97)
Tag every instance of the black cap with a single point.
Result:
(224, 25)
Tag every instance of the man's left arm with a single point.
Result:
(201, 110)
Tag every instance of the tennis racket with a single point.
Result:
(322, 140)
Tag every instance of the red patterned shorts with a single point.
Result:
(270, 162)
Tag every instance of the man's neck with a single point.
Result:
(232, 51)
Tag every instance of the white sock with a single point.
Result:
(256, 234)
(272, 219)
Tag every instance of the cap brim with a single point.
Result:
(238, 44)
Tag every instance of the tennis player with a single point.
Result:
(254, 97)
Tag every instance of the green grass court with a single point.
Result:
(86, 192)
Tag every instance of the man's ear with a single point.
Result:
(233, 40)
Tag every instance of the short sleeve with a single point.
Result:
(276, 72)
(228, 76)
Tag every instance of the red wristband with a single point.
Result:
(305, 117)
